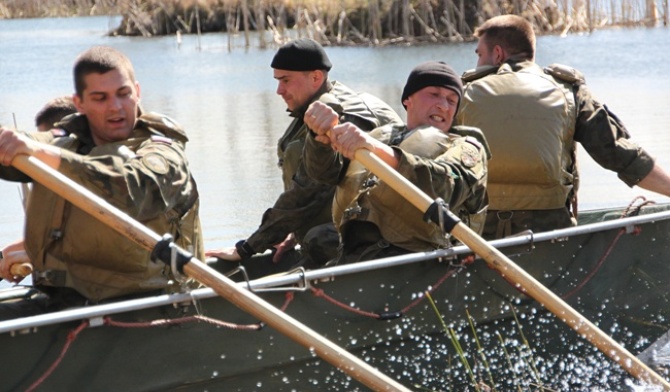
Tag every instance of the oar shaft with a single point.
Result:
(517, 276)
(252, 304)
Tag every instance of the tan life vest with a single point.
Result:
(528, 118)
(362, 196)
(69, 248)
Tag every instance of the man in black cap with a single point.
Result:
(444, 161)
(302, 213)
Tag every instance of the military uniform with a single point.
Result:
(306, 204)
(376, 221)
(532, 118)
(146, 176)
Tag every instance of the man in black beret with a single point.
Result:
(442, 160)
(302, 213)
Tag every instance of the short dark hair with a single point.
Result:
(513, 33)
(100, 59)
(54, 110)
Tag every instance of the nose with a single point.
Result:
(115, 103)
(280, 90)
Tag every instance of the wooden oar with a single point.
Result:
(242, 298)
(513, 273)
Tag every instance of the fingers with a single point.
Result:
(347, 138)
(11, 144)
(320, 118)
(229, 254)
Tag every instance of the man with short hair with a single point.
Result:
(134, 160)
(302, 213)
(53, 111)
(444, 161)
(532, 118)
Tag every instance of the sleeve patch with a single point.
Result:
(469, 155)
(156, 163)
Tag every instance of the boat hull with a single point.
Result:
(615, 277)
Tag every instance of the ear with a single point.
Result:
(499, 55)
(137, 88)
(77, 101)
(317, 77)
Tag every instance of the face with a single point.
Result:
(297, 87)
(110, 103)
(485, 56)
(431, 105)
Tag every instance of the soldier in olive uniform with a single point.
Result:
(444, 161)
(302, 212)
(532, 118)
(133, 160)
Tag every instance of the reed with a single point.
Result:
(346, 22)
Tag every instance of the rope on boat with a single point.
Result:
(71, 337)
(631, 210)
(454, 268)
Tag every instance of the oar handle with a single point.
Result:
(21, 269)
(514, 274)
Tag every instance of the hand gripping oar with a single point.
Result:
(168, 252)
(435, 212)
(19, 269)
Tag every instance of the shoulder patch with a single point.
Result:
(156, 163)
(470, 155)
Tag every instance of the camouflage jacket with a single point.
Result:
(450, 166)
(145, 176)
(306, 203)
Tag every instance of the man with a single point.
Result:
(135, 161)
(302, 212)
(53, 111)
(444, 161)
(532, 118)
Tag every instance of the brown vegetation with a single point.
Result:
(347, 22)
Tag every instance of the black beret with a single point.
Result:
(302, 54)
(432, 73)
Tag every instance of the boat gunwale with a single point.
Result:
(298, 277)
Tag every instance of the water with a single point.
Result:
(225, 100)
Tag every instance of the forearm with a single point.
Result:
(657, 181)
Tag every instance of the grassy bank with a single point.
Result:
(347, 22)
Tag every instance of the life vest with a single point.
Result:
(69, 248)
(362, 196)
(528, 117)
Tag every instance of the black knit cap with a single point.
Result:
(302, 54)
(432, 73)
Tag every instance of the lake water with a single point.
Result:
(225, 99)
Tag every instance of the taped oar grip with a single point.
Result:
(440, 214)
(169, 253)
